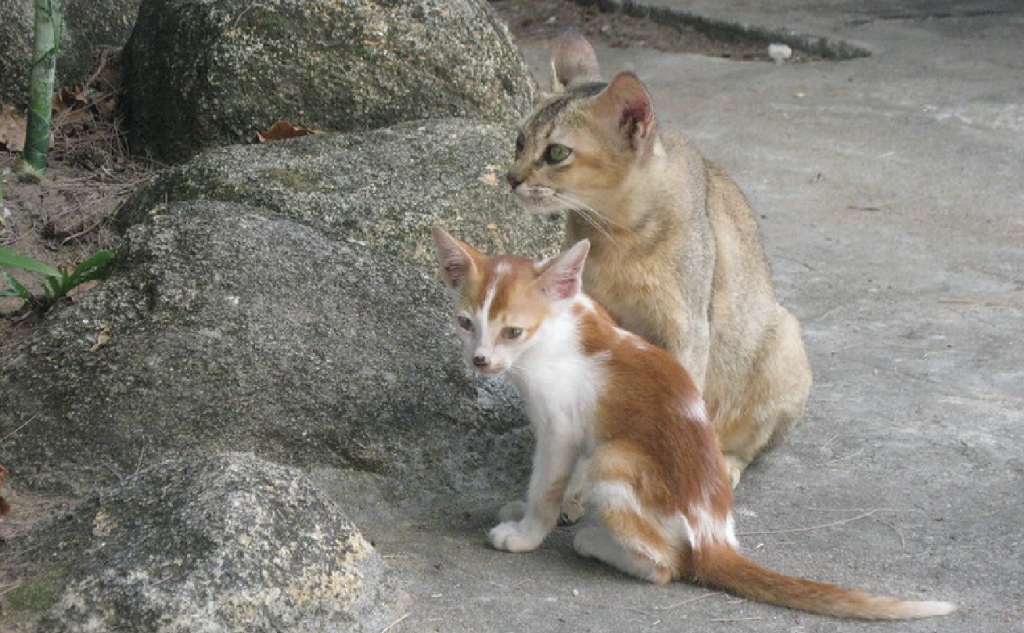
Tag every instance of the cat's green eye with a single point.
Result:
(512, 333)
(556, 153)
(520, 144)
(465, 323)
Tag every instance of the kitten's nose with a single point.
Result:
(513, 179)
(480, 361)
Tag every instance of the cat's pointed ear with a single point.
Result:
(626, 105)
(562, 276)
(456, 258)
(573, 61)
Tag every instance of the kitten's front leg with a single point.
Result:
(552, 465)
(572, 508)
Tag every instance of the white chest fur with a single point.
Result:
(559, 382)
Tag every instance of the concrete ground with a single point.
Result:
(890, 190)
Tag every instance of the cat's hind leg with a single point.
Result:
(776, 397)
(599, 542)
(632, 536)
(572, 508)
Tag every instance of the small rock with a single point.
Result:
(779, 52)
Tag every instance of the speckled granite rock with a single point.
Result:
(385, 188)
(225, 543)
(206, 73)
(233, 330)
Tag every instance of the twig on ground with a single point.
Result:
(812, 527)
(602, 605)
(9, 588)
(15, 431)
(734, 619)
(689, 600)
(973, 302)
(138, 465)
(840, 459)
(393, 624)
(892, 526)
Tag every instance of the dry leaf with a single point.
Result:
(107, 107)
(283, 130)
(12, 129)
(104, 337)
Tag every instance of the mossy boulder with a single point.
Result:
(235, 330)
(384, 188)
(205, 73)
(216, 543)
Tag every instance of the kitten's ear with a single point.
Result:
(626, 106)
(456, 258)
(573, 61)
(562, 276)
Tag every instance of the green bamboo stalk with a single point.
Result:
(49, 26)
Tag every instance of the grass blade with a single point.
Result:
(92, 268)
(17, 260)
(17, 290)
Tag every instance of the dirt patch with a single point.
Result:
(64, 217)
(536, 21)
(61, 219)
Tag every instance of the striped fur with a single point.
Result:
(676, 252)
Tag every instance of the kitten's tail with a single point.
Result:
(721, 566)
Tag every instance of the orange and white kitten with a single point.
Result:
(677, 255)
(623, 420)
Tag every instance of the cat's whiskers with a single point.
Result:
(518, 371)
(588, 213)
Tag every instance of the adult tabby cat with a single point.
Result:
(676, 254)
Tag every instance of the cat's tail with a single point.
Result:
(719, 565)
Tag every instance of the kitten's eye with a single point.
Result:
(512, 333)
(556, 153)
(465, 323)
(520, 144)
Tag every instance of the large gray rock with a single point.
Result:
(237, 331)
(87, 25)
(220, 544)
(204, 73)
(385, 188)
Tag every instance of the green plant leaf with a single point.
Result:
(17, 290)
(52, 290)
(17, 260)
(90, 269)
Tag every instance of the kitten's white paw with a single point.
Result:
(510, 536)
(513, 511)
